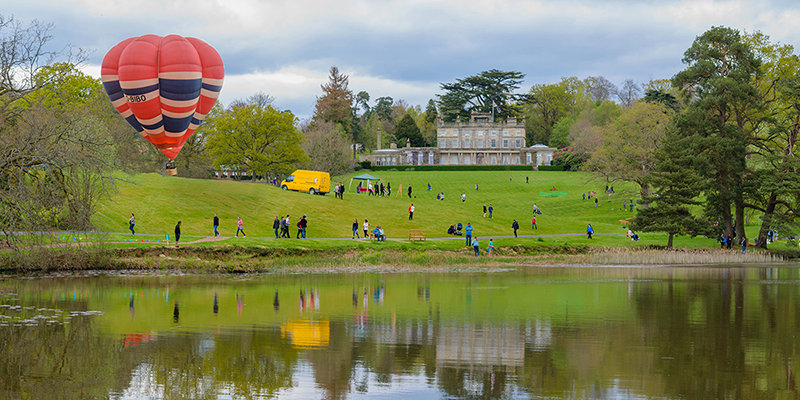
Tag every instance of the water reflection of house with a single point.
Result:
(481, 345)
(479, 141)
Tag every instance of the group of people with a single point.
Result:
(280, 227)
(375, 189)
(338, 191)
(489, 209)
(377, 233)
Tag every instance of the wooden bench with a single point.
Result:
(416, 234)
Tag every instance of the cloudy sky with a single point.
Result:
(404, 49)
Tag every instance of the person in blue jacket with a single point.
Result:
(468, 232)
(589, 231)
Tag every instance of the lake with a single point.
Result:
(526, 332)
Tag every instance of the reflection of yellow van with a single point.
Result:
(314, 182)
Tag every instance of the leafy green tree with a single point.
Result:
(560, 136)
(383, 108)
(773, 178)
(407, 130)
(255, 138)
(546, 105)
(629, 144)
(720, 77)
(675, 186)
(480, 93)
(431, 113)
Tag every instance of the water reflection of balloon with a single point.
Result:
(275, 303)
(176, 313)
(130, 305)
(163, 86)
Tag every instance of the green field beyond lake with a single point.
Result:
(159, 202)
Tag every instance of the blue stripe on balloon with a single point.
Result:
(114, 96)
(213, 88)
(196, 121)
(112, 87)
(134, 122)
(176, 124)
(154, 126)
(180, 89)
(140, 90)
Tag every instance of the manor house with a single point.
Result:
(479, 141)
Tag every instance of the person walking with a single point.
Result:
(429, 186)
(515, 226)
(468, 232)
(484, 210)
(491, 210)
(596, 204)
(287, 223)
(744, 245)
(131, 224)
(589, 231)
(240, 228)
(409, 191)
(301, 227)
(463, 197)
(177, 233)
(490, 249)
(355, 228)
(216, 225)
(276, 224)
(389, 189)
(366, 229)
(411, 212)
(475, 246)
(533, 223)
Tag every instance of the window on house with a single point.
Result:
(466, 143)
(494, 144)
(517, 143)
(505, 142)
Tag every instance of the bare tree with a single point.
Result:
(599, 88)
(629, 93)
(53, 147)
(328, 148)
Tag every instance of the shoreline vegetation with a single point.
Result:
(255, 259)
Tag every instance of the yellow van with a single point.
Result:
(313, 182)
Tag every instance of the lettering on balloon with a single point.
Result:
(137, 98)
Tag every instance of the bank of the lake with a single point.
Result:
(361, 257)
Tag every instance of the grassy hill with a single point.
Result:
(159, 202)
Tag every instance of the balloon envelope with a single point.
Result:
(163, 86)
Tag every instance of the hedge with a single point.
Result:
(551, 168)
(452, 168)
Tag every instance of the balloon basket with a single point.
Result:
(171, 171)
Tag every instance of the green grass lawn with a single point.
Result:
(159, 202)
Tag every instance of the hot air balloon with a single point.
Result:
(163, 86)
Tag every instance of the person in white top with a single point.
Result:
(366, 229)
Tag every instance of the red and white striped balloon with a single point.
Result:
(163, 86)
